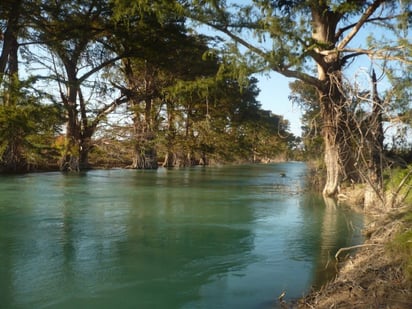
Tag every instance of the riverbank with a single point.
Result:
(375, 275)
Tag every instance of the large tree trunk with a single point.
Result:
(70, 158)
(84, 150)
(12, 159)
(8, 56)
(338, 157)
(78, 142)
(331, 159)
(324, 26)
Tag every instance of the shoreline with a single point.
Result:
(369, 276)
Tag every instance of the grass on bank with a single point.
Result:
(401, 245)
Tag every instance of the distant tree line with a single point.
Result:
(83, 83)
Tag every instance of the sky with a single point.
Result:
(274, 93)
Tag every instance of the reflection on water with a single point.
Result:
(218, 237)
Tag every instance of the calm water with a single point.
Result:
(217, 237)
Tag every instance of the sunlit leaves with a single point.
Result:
(27, 127)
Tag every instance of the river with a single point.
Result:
(214, 237)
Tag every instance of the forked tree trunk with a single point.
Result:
(324, 26)
(337, 118)
(70, 158)
(338, 157)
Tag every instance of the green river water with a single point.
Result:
(215, 237)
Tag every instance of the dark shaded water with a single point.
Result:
(217, 237)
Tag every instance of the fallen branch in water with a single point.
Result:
(353, 247)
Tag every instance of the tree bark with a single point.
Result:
(12, 159)
(374, 195)
(70, 158)
(330, 98)
(338, 158)
(145, 155)
(8, 57)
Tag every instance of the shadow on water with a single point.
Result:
(328, 228)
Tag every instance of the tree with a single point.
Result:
(27, 128)
(78, 34)
(305, 97)
(27, 124)
(11, 25)
(287, 36)
(167, 54)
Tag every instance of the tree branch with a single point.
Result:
(364, 18)
(344, 29)
(107, 109)
(376, 54)
(353, 247)
(98, 68)
(275, 67)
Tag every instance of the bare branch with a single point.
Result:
(371, 20)
(354, 247)
(384, 53)
(275, 67)
(364, 18)
(98, 68)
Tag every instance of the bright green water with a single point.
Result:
(216, 237)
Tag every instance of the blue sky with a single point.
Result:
(274, 93)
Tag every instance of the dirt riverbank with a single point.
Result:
(371, 275)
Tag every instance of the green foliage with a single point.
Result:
(401, 245)
(27, 129)
(306, 98)
(199, 101)
(399, 184)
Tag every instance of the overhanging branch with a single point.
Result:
(371, 20)
(383, 54)
(363, 19)
(285, 71)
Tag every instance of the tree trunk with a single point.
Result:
(331, 159)
(145, 154)
(8, 57)
(338, 159)
(12, 159)
(374, 193)
(70, 159)
(84, 150)
(171, 158)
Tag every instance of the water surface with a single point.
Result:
(216, 237)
